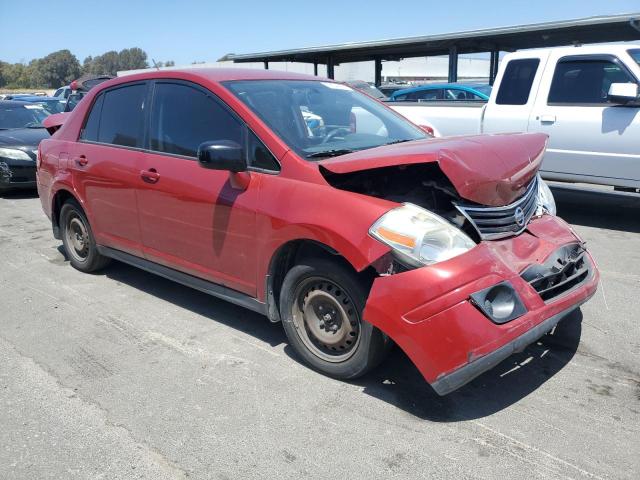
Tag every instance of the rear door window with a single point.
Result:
(121, 116)
(184, 116)
(90, 130)
(585, 81)
(517, 80)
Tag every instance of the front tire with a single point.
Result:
(321, 304)
(79, 242)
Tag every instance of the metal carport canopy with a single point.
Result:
(602, 29)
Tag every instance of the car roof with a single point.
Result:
(4, 104)
(435, 86)
(214, 75)
(35, 98)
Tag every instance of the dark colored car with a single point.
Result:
(20, 133)
(80, 87)
(50, 104)
(356, 234)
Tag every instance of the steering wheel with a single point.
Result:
(334, 132)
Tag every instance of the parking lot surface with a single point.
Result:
(123, 374)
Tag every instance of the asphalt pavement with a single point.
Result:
(123, 375)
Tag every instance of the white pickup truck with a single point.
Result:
(585, 98)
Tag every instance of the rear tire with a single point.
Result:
(321, 304)
(79, 242)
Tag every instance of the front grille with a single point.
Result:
(500, 222)
(22, 173)
(567, 268)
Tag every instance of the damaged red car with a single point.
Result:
(319, 207)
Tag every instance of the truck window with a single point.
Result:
(516, 81)
(585, 81)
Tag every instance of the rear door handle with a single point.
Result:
(81, 160)
(547, 119)
(150, 176)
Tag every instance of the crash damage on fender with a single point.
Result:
(526, 270)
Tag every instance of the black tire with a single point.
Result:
(77, 237)
(355, 346)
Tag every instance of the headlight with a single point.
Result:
(14, 154)
(546, 202)
(420, 237)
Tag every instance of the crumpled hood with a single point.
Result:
(491, 170)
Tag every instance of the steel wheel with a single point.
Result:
(326, 320)
(77, 238)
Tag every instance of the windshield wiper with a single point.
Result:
(330, 153)
(399, 141)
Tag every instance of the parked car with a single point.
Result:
(367, 88)
(63, 92)
(585, 98)
(443, 92)
(80, 87)
(50, 104)
(353, 239)
(20, 133)
(389, 88)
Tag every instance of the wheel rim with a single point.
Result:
(326, 320)
(77, 238)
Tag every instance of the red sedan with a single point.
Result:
(318, 206)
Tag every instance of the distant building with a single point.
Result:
(419, 69)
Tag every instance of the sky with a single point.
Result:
(197, 30)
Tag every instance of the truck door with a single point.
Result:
(518, 81)
(590, 138)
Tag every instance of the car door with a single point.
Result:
(589, 137)
(194, 219)
(105, 165)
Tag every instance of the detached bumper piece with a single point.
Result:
(563, 271)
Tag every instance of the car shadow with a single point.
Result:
(396, 381)
(19, 194)
(400, 383)
(598, 208)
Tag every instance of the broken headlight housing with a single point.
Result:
(419, 237)
(546, 202)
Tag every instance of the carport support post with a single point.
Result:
(378, 72)
(266, 65)
(453, 64)
(330, 65)
(315, 68)
(493, 66)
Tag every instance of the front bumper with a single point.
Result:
(428, 311)
(17, 174)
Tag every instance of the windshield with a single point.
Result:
(22, 116)
(322, 119)
(635, 54)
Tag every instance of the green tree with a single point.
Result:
(56, 69)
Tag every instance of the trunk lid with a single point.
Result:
(491, 170)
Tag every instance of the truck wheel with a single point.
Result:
(321, 306)
(78, 240)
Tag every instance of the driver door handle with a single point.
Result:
(547, 119)
(150, 176)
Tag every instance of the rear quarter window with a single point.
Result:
(517, 80)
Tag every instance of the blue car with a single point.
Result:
(443, 92)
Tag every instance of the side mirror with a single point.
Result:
(623, 93)
(222, 155)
